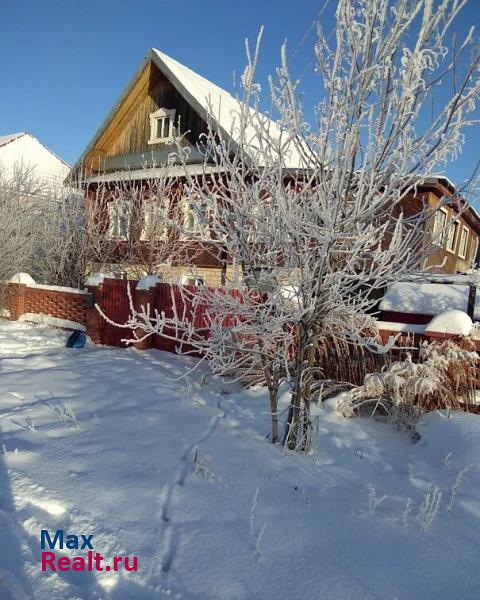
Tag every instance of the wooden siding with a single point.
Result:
(450, 260)
(128, 132)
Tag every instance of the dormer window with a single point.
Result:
(161, 125)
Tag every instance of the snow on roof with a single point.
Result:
(424, 298)
(211, 100)
(5, 139)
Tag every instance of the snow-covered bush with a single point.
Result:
(443, 378)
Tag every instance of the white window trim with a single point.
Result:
(451, 248)
(473, 256)
(111, 217)
(161, 113)
(464, 254)
(199, 280)
(147, 207)
(196, 232)
(440, 238)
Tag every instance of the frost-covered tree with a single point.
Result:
(20, 191)
(312, 213)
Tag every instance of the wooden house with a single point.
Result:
(133, 145)
(454, 227)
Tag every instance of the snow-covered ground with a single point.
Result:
(107, 442)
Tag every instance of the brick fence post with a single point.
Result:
(94, 319)
(142, 298)
(16, 300)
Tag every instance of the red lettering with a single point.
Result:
(78, 563)
(48, 558)
(63, 563)
(98, 561)
(116, 560)
(134, 567)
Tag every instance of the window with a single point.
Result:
(440, 219)
(473, 251)
(119, 219)
(462, 249)
(194, 280)
(161, 125)
(154, 220)
(195, 219)
(452, 236)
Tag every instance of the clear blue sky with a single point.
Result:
(63, 63)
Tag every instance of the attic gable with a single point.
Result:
(163, 83)
(125, 142)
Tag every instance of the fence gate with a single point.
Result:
(116, 306)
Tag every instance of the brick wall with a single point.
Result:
(55, 302)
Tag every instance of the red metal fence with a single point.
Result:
(170, 299)
(114, 303)
(166, 298)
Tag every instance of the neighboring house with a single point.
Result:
(133, 145)
(455, 227)
(23, 151)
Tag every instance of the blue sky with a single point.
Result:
(63, 63)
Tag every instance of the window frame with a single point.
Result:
(474, 250)
(464, 241)
(451, 247)
(161, 114)
(147, 206)
(197, 231)
(439, 237)
(114, 219)
(199, 280)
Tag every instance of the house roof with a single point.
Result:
(5, 139)
(214, 105)
(447, 187)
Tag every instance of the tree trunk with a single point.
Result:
(273, 410)
(299, 411)
(307, 390)
(290, 435)
(272, 380)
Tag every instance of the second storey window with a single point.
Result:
(161, 125)
(462, 249)
(118, 219)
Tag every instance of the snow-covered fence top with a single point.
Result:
(59, 288)
(63, 304)
(430, 299)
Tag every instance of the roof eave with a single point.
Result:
(111, 113)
